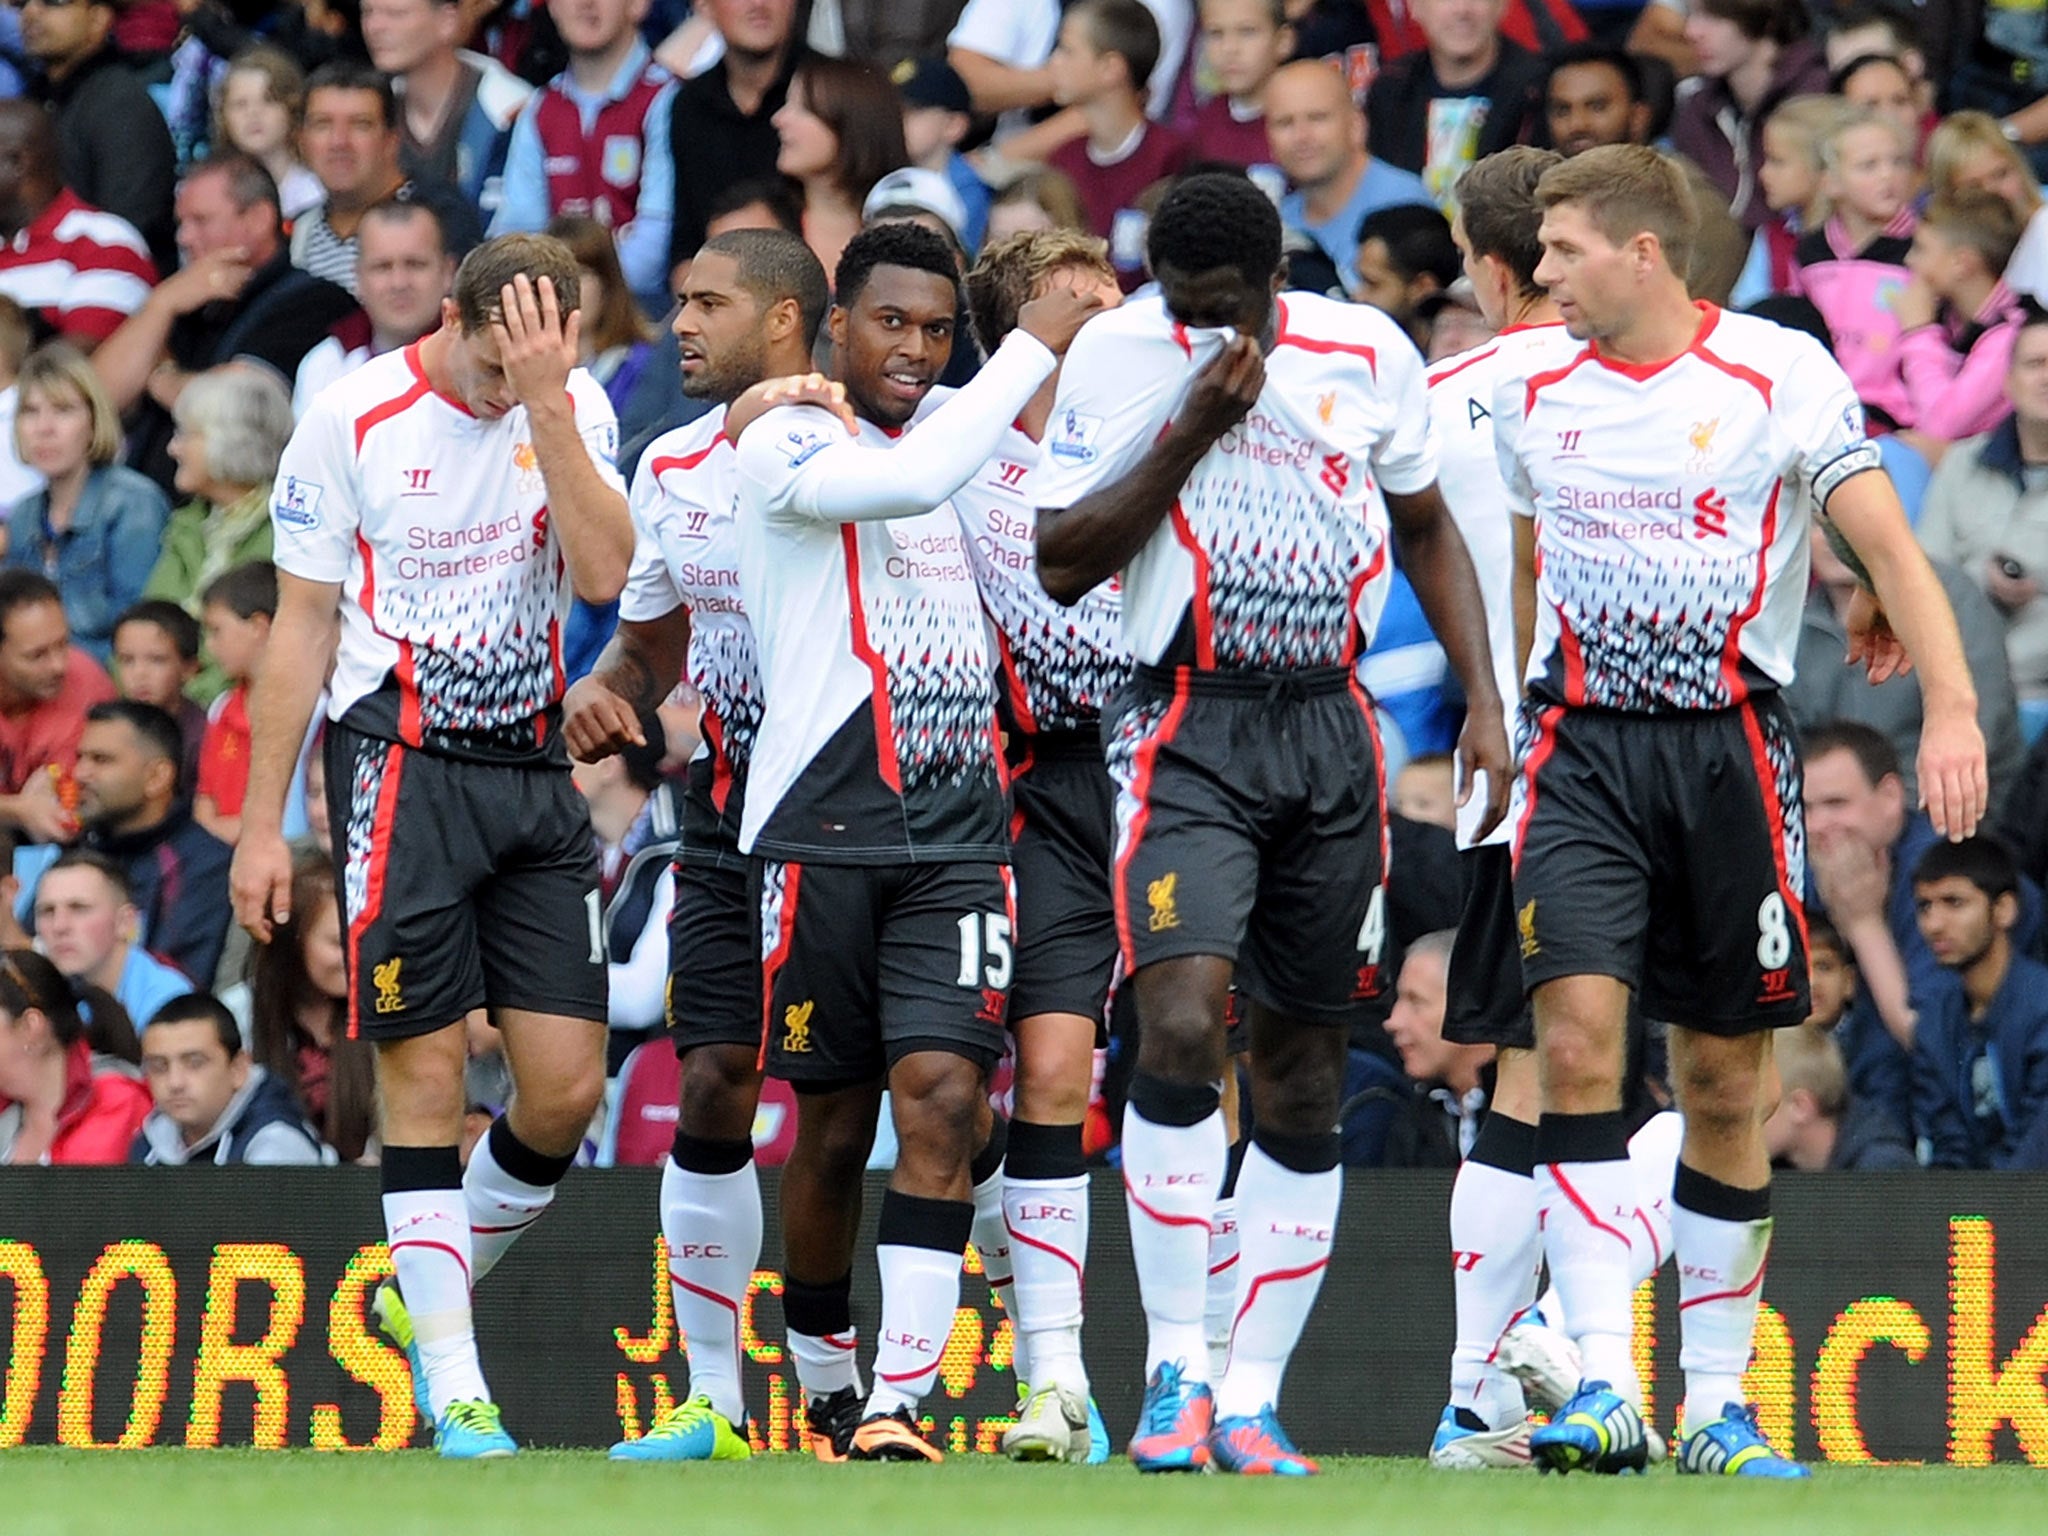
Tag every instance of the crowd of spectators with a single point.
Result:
(210, 211)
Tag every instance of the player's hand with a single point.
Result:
(1954, 786)
(1483, 748)
(1872, 642)
(40, 813)
(596, 722)
(1055, 318)
(793, 389)
(260, 883)
(221, 275)
(537, 346)
(1223, 392)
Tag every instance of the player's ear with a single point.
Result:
(835, 327)
(451, 317)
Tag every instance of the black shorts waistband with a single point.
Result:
(1760, 698)
(1046, 746)
(1307, 683)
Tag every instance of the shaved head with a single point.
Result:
(29, 177)
(1310, 81)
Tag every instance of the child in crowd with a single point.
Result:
(1426, 789)
(1243, 43)
(938, 116)
(1959, 319)
(236, 610)
(261, 107)
(156, 657)
(1969, 152)
(1790, 180)
(1854, 266)
(1833, 971)
(1104, 56)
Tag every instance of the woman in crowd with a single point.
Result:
(619, 345)
(298, 995)
(1969, 152)
(262, 101)
(1753, 54)
(95, 527)
(69, 1091)
(232, 424)
(841, 131)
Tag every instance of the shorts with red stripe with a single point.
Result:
(863, 965)
(1251, 825)
(1667, 851)
(463, 885)
(1063, 808)
(714, 948)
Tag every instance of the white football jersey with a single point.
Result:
(1461, 395)
(1275, 555)
(686, 555)
(1060, 664)
(879, 742)
(435, 524)
(1672, 507)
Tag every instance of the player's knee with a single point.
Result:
(720, 1087)
(1578, 1058)
(1182, 1042)
(1052, 1086)
(1721, 1098)
(559, 1109)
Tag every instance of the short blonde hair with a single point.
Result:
(1009, 272)
(61, 369)
(1852, 121)
(1963, 134)
(1810, 120)
(1809, 1058)
(1628, 190)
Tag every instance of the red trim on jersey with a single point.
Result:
(1148, 754)
(1542, 381)
(1018, 426)
(1585, 1210)
(1205, 636)
(1750, 1289)
(1774, 814)
(1353, 633)
(1286, 338)
(1574, 661)
(408, 691)
(419, 370)
(1013, 681)
(661, 466)
(1529, 325)
(885, 728)
(713, 730)
(1731, 653)
(373, 882)
(396, 405)
(1539, 754)
(776, 958)
(1455, 369)
(1180, 339)
(1749, 376)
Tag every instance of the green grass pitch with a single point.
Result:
(304, 1493)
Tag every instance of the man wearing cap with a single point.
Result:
(924, 197)
(937, 117)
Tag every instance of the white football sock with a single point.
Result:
(1171, 1176)
(428, 1231)
(1720, 1283)
(1496, 1250)
(920, 1293)
(1048, 1222)
(1588, 1210)
(998, 1265)
(1654, 1152)
(712, 1224)
(500, 1207)
(1219, 1305)
(825, 1363)
(1287, 1221)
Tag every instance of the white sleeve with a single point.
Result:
(313, 507)
(638, 983)
(994, 29)
(1510, 402)
(598, 425)
(1100, 426)
(651, 592)
(813, 471)
(1816, 406)
(1406, 458)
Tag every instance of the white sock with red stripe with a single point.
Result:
(1586, 1190)
(1174, 1154)
(1287, 1199)
(991, 1234)
(711, 1221)
(1496, 1250)
(427, 1226)
(919, 1244)
(1654, 1152)
(508, 1187)
(1045, 1203)
(1219, 1307)
(1724, 1238)
(818, 1321)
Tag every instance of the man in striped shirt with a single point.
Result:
(77, 271)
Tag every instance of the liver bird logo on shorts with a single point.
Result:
(1159, 893)
(1526, 921)
(385, 979)
(796, 1027)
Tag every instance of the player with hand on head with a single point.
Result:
(1060, 666)
(1664, 478)
(1243, 458)
(444, 502)
(750, 303)
(875, 793)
